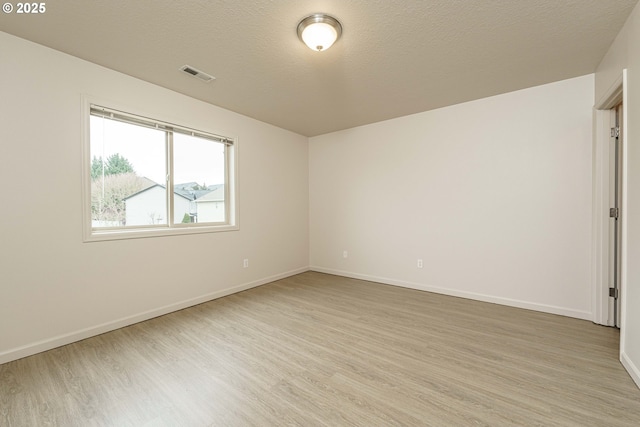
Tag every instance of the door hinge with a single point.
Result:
(615, 132)
(613, 293)
(614, 213)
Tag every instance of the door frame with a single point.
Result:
(604, 120)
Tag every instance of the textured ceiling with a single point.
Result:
(394, 58)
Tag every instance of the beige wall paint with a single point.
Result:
(625, 53)
(54, 288)
(494, 195)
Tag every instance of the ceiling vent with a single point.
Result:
(197, 73)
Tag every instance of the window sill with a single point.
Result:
(142, 233)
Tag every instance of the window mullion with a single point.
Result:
(170, 184)
(227, 207)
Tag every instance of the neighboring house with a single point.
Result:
(210, 207)
(143, 183)
(148, 206)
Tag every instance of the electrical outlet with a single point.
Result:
(245, 263)
(420, 264)
(345, 254)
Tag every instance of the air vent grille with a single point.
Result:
(197, 73)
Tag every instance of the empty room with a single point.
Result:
(320, 213)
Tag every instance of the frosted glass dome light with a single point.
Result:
(319, 31)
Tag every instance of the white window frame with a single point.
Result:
(91, 234)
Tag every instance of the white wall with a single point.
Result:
(625, 53)
(53, 287)
(494, 195)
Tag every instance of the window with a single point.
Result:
(145, 177)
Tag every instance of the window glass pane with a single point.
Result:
(199, 176)
(128, 174)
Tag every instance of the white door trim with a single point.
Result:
(604, 120)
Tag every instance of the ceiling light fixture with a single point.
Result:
(319, 31)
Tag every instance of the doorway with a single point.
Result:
(609, 207)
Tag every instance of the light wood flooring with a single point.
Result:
(321, 350)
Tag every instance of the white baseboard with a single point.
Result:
(584, 315)
(60, 340)
(631, 368)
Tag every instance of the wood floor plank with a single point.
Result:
(322, 350)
